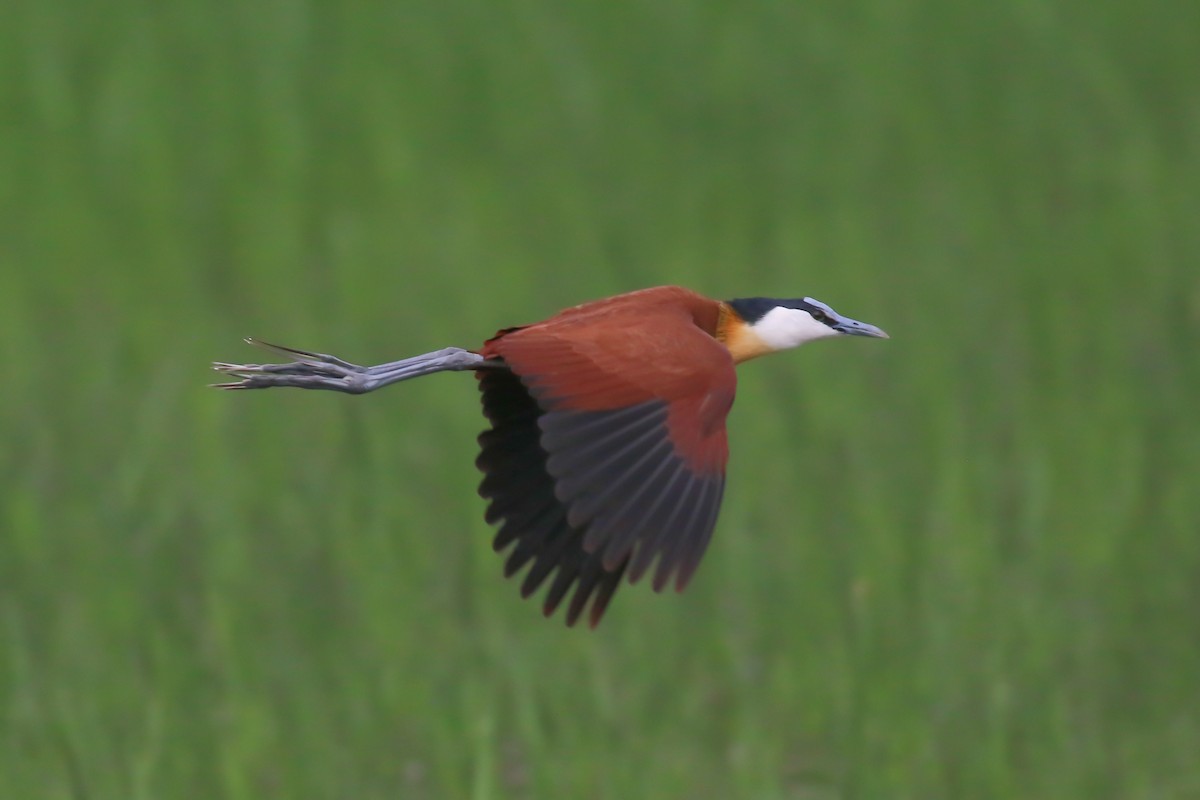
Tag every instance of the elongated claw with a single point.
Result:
(308, 371)
(320, 371)
(304, 355)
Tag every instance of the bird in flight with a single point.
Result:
(606, 450)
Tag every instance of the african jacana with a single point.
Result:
(607, 448)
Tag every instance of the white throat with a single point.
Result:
(783, 328)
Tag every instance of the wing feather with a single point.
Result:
(552, 554)
(672, 513)
(689, 530)
(607, 451)
(533, 521)
(622, 508)
(641, 519)
(692, 549)
(533, 537)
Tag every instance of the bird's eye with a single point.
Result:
(819, 316)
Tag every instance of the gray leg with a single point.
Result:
(320, 371)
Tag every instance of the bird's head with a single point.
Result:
(755, 326)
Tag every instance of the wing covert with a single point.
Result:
(633, 428)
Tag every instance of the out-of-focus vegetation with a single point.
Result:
(962, 563)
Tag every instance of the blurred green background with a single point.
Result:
(962, 563)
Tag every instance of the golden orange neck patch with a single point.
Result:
(738, 337)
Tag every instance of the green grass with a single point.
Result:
(962, 563)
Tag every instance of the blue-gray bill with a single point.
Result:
(853, 327)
